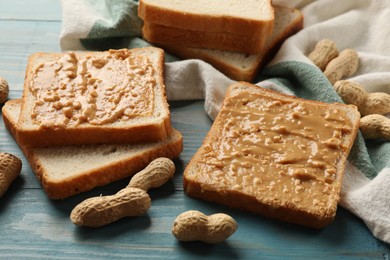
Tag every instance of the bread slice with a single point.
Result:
(160, 34)
(69, 170)
(239, 66)
(251, 18)
(274, 155)
(117, 96)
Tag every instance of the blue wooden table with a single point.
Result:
(33, 226)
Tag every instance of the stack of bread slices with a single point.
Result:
(236, 37)
(87, 119)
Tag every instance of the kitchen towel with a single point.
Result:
(358, 24)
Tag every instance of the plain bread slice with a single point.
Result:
(247, 18)
(239, 66)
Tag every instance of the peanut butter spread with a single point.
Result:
(113, 87)
(282, 152)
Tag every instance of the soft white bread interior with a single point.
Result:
(117, 96)
(68, 170)
(239, 66)
(275, 155)
(248, 18)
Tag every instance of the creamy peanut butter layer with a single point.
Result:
(265, 145)
(110, 87)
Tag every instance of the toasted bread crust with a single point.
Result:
(229, 69)
(295, 26)
(9, 123)
(104, 175)
(233, 70)
(251, 204)
(269, 206)
(161, 34)
(154, 129)
(95, 135)
(201, 22)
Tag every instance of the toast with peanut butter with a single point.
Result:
(275, 155)
(116, 96)
(68, 170)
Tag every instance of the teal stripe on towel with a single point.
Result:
(117, 24)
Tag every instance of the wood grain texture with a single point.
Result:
(32, 226)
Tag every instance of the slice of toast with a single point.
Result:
(251, 18)
(117, 96)
(275, 155)
(242, 67)
(69, 170)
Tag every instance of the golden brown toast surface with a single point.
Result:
(275, 155)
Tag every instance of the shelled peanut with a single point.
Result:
(132, 200)
(193, 225)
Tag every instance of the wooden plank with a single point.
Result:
(47, 10)
(19, 40)
(43, 228)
